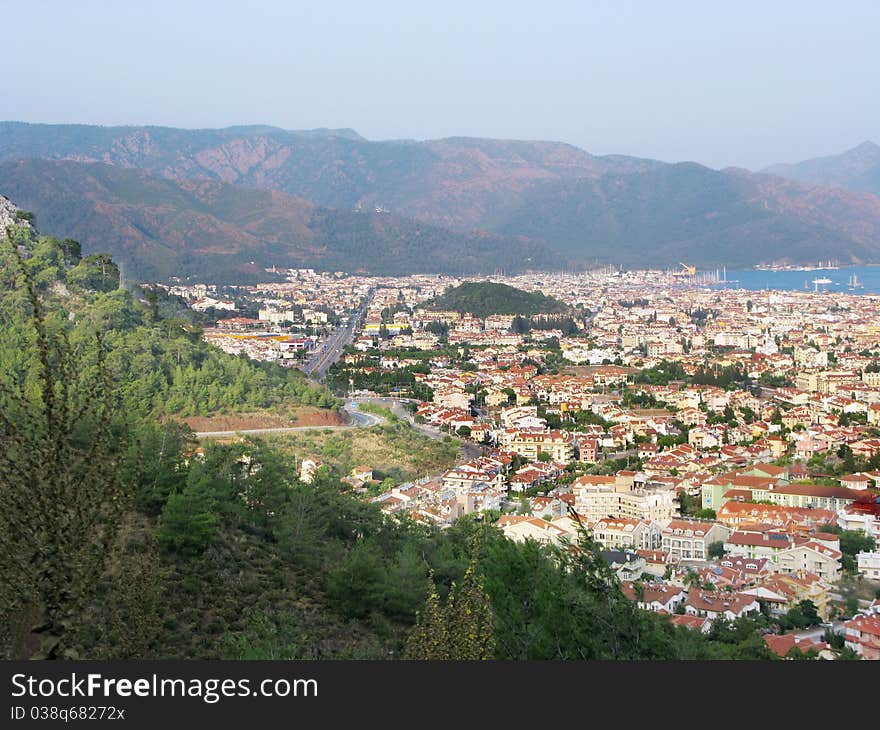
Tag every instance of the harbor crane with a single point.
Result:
(686, 270)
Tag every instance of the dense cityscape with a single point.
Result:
(721, 445)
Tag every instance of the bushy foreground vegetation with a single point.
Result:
(154, 354)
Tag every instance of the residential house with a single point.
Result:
(863, 515)
(531, 444)
(863, 636)
(782, 644)
(520, 528)
(813, 556)
(715, 604)
(307, 470)
(652, 596)
(628, 565)
(703, 624)
(758, 543)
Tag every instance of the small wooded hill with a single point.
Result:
(157, 227)
(486, 297)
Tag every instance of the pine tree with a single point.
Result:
(429, 639)
(461, 629)
(470, 619)
(62, 492)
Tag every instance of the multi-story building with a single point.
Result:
(520, 528)
(690, 539)
(755, 545)
(814, 496)
(788, 553)
(863, 516)
(831, 381)
(814, 556)
(532, 443)
(869, 565)
(595, 501)
(713, 490)
(627, 533)
(717, 604)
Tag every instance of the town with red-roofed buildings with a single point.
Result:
(721, 441)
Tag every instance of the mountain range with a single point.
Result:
(856, 169)
(161, 227)
(202, 201)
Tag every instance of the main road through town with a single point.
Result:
(331, 349)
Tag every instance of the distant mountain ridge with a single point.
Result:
(545, 196)
(856, 169)
(452, 182)
(706, 217)
(160, 227)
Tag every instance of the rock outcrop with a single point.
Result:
(10, 214)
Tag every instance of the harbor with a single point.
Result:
(849, 280)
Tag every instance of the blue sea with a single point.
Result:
(867, 280)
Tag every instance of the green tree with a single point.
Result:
(266, 638)
(686, 504)
(189, 521)
(848, 461)
(462, 629)
(810, 613)
(157, 464)
(97, 272)
(470, 616)
(429, 639)
(692, 579)
(356, 586)
(63, 489)
(126, 616)
(406, 584)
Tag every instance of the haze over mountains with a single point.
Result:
(205, 228)
(856, 169)
(206, 201)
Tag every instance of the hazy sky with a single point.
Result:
(723, 83)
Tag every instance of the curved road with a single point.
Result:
(469, 450)
(359, 420)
